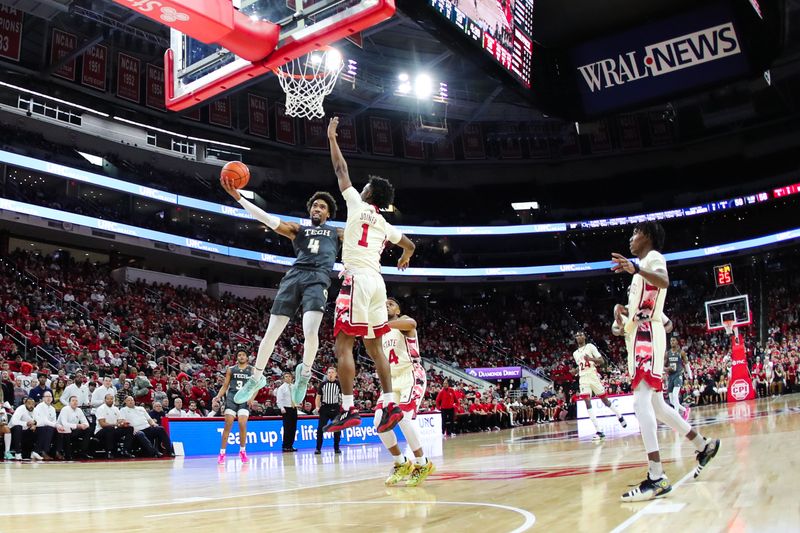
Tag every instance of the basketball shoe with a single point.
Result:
(647, 490)
(622, 422)
(599, 436)
(301, 384)
(399, 473)
(243, 456)
(249, 389)
(344, 420)
(686, 412)
(419, 474)
(704, 457)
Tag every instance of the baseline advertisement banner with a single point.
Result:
(651, 61)
(201, 436)
(501, 372)
(624, 403)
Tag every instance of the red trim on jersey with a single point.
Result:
(381, 330)
(585, 396)
(655, 382)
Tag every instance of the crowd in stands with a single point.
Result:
(69, 331)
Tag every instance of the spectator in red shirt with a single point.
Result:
(446, 402)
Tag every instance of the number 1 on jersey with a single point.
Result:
(364, 231)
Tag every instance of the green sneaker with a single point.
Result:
(9, 456)
(300, 387)
(399, 473)
(249, 389)
(419, 474)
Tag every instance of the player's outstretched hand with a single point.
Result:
(332, 125)
(403, 262)
(620, 311)
(229, 188)
(621, 264)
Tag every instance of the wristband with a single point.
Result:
(635, 268)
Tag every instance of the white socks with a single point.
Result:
(7, 441)
(699, 442)
(222, 451)
(388, 397)
(398, 459)
(615, 410)
(312, 320)
(594, 419)
(347, 403)
(277, 324)
(655, 470)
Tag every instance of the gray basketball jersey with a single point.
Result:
(674, 358)
(238, 378)
(316, 248)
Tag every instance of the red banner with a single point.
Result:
(411, 149)
(219, 112)
(193, 114)
(444, 150)
(381, 132)
(472, 142)
(599, 137)
(740, 385)
(154, 91)
(346, 134)
(629, 133)
(284, 125)
(258, 118)
(316, 131)
(660, 129)
(93, 72)
(129, 70)
(61, 45)
(10, 32)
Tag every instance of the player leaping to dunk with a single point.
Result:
(306, 284)
(401, 348)
(587, 357)
(361, 305)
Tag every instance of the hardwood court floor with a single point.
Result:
(541, 478)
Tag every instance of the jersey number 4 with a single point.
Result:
(393, 359)
(313, 246)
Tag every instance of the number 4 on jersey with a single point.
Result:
(393, 359)
(313, 246)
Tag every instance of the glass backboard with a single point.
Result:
(736, 308)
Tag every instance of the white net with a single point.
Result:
(728, 325)
(307, 80)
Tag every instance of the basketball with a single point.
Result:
(237, 172)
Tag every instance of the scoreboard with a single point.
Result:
(501, 28)
(723, 275)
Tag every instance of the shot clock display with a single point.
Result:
(723, 275)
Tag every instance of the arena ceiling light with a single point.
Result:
(93, 159)
(53, 99)
(405, 84)
(423, 86)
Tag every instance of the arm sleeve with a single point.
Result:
(393, 234)
(352, 198)
(259, 214)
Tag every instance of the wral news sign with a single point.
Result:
(660, 59)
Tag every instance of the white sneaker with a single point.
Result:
(36, 457)
(18, 456)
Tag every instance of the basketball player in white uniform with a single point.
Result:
(401, 348)
(587, 357)
(646, 342)
(361, 305)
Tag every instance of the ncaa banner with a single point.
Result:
(128, 77)
(348, 141)
(381, 130)
(63, 44)
(10, 32)
(201, 436)
(219, 112)
(670, 56)
(93, 71)
(284, 125)
(154, 90)
(472, 142)
(257, 116)
(316, 131)
(411, 149)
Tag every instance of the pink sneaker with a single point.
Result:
(221, 459)
(686, 413)
(243, 456)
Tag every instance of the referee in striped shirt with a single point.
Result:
(329, 398)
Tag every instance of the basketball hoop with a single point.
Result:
(308, 79)
(728, 325)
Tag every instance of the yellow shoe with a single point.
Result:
(419, 474)
(399, 473)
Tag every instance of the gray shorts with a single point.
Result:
(308, 288)
(674, 380)
(235, 409)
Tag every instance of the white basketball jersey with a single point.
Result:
(646, 301)
(586, 366)
(365, 234)
(401, 351)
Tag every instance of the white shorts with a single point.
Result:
(409, 387)
(240, 412)
(590, 384)
(361, 305)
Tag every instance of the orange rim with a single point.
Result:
(281, 73)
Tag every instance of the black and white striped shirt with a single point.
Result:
(330, 392)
